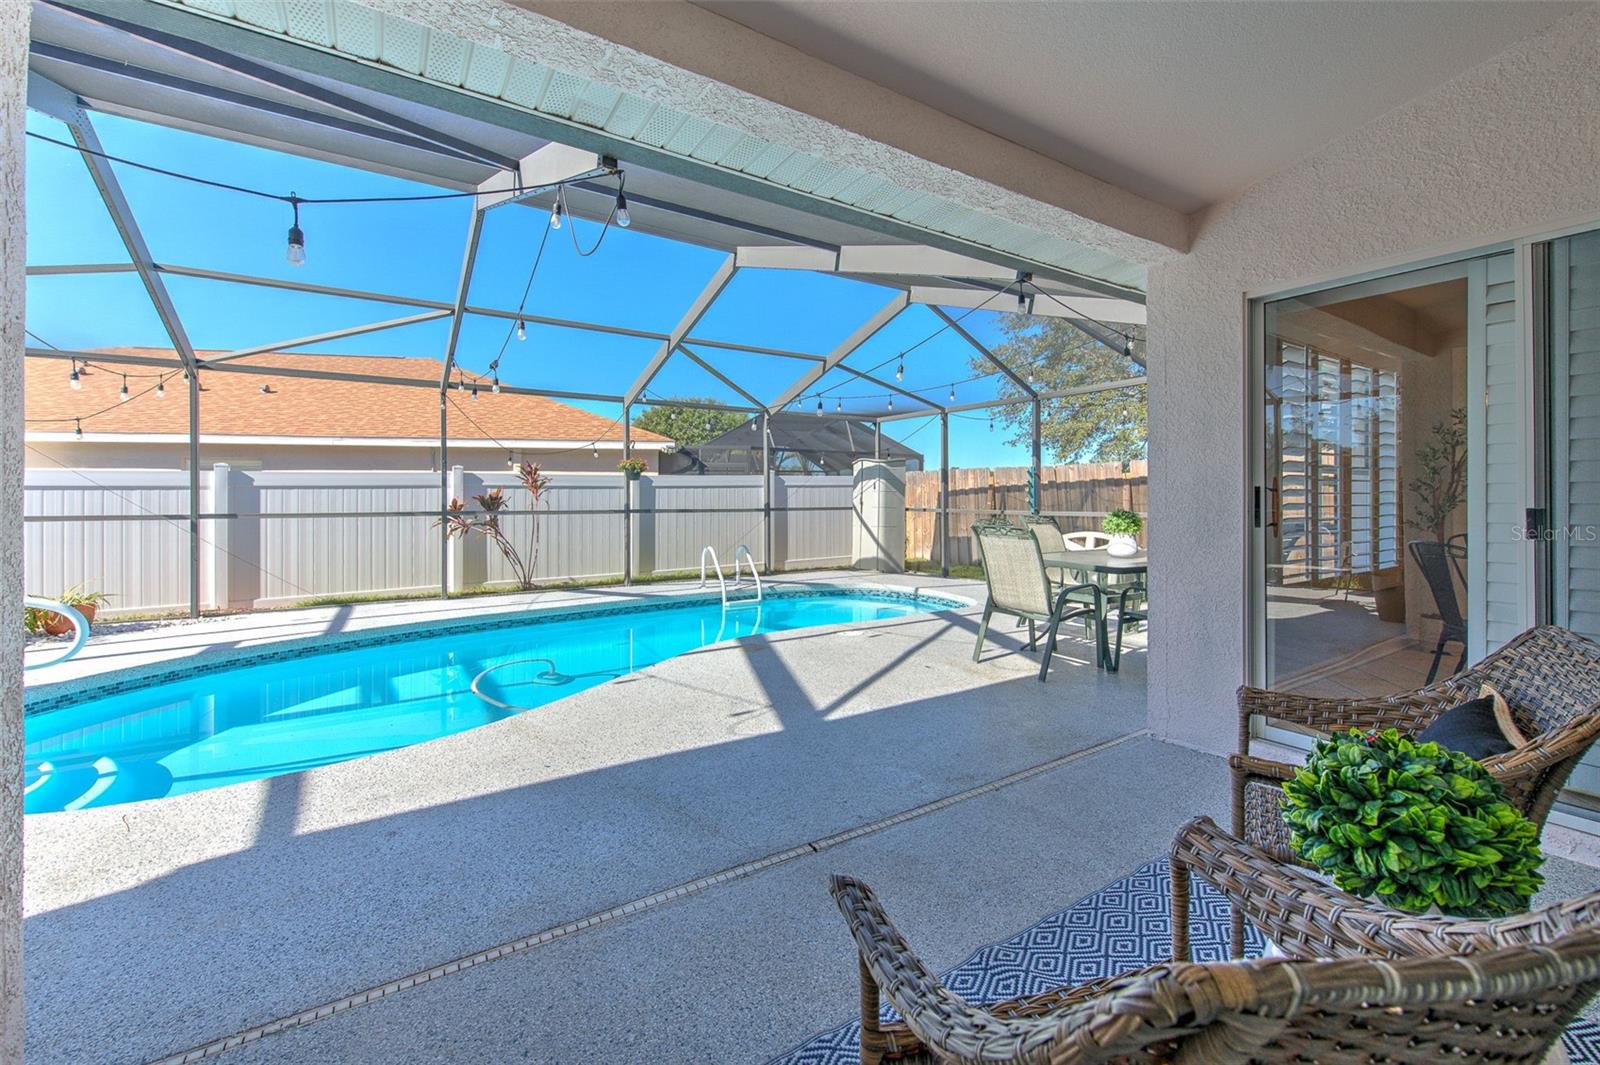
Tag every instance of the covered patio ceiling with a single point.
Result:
(174, 68)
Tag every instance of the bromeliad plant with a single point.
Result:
(492, 506)
(1415, 824)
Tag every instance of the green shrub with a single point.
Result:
(1122, 523)
(1415, 824)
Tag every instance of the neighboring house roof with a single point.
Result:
(829, 444)
(234, 405)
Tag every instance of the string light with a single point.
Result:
(891, 403)
(624, 219)
(73, 379)
(900, 371)
(753, 425)
(296, 253)
(474, 391)
(77, 428)
(1127, 347)
(123, 394)
(838, 406)
(594, 449)
(819, 406)
(952, 393)
(511, 460)
(522, 329)
(555, 212)
(496, 388)
(161, 388)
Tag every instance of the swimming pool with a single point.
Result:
(207, 727)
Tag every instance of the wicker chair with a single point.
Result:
(1506, 1005)
(1019, 587)
(1550, 677)
(1306, 917)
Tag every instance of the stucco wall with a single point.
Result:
(13, 281)
(1507, 149)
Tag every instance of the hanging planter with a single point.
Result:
(632, 469)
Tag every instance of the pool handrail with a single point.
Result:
(755, 575)
(79, 623)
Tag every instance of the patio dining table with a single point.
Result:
(1095, 566)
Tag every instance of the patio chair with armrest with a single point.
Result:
(1052, 541)
(1133, 608)
(1306, 917)
(1440, 563)
(1501, 1005)
(1549, 676)
(1019, 587)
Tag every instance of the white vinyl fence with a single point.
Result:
(296, 535)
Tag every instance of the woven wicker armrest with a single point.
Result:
(1307, 917)
(1249, 765)
(1550, 749)
(1407, 712)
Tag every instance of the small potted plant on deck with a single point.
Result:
(1417, 826)
(83, 601)
(1122, 526)
(631, 468)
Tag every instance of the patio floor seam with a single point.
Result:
(323, 1010)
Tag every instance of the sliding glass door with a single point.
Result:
(1366, 482)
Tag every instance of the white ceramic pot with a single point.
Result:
(1122, 545)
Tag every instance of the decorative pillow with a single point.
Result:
(1470, 728)
(1502, 716)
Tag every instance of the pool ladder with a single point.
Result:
(80, 628)
(739, 552)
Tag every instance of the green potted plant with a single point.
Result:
(83, 601)
(1417, 826)
(631, 468)
(1122, 526)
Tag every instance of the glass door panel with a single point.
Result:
(1364, 438)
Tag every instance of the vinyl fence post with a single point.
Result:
(1034, 468)
(627, 497)
(766, 495)
(944, 495)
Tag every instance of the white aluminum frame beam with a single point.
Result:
(1017, 401)
(881, 383)
(322, 338)
(1124, 312)
(983, 349)
(718, 374)
(540, 171)
(865, 332)
(697, 310)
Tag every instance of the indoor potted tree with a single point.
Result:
(1418, 826)
(1123, 526)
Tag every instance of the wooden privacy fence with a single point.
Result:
(1077, 496)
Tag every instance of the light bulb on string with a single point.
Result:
(952, 393)
(511, 460)
(900, 371)
(122, 395)
(522, 329)
(77, 428)
(496, 387)
(624, 219)
(838, 406)
(73, 379)
(891, 403)
(296, 251)
(161, 388)
(474, 391)
(753, 425)
(819, 405)
(555, 212)
(1127, 347)
(594, 449)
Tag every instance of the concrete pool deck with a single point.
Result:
(158, 927)
(633, 874)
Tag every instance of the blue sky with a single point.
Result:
(415, 249)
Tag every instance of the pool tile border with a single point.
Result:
(45, 698)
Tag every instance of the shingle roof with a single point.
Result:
(233, 404)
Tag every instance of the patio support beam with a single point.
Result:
(867, 330)
(877, 438)
(116, 204)
(627, 497)
(766, 492)
(983, 349)
(469, 258)
(322, 338)
(1035, 453)
(944, 493)
(1057, 393)
(691, 318)
(14, 23)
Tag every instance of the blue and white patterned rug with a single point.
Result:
(1125, 925)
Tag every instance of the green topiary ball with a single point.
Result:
(1415, 824)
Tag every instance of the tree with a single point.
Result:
(689, 426)
(1053, 354)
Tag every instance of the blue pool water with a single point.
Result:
(206, 729)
